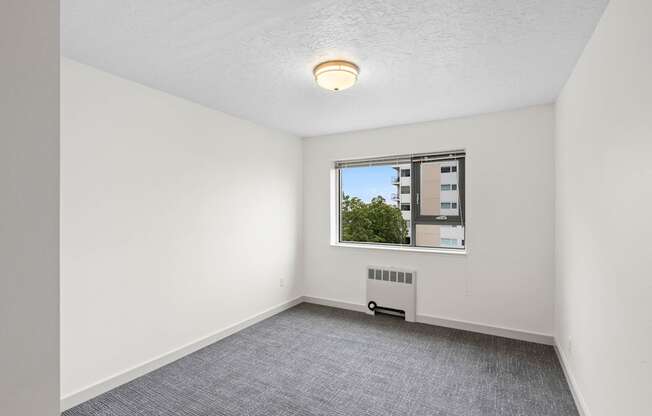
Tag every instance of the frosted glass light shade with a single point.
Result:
(336, 75)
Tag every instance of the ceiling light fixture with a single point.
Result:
(336, 75)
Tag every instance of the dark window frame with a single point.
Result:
(417, 217)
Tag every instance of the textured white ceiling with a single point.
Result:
(420, 59)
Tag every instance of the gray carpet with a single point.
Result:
(314, 360)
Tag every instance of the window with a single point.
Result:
(373, 207)
(449, 242)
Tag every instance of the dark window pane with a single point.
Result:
(438, 189)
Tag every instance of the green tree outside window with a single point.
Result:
(373, 222)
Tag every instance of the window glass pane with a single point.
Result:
(432, 235)
(449, 187)
(439, 194)
(374, 207)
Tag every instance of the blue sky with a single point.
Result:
(369, 182)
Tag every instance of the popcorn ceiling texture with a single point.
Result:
(420, 59)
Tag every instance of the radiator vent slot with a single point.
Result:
(390, 275)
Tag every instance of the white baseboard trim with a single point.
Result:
(335, 303)
(116, 380)
(580, 403)
(446, 322)
(498, 331)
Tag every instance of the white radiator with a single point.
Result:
(391, 289)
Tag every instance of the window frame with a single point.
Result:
(415, 217)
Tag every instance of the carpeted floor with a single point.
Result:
(314, 360)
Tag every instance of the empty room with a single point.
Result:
(325, 208)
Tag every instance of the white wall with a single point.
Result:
(506, 279)
(29, 208)
(177, 221)
(604, 201)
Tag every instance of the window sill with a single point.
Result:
(399, 248)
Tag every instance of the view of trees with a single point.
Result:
(375, 222)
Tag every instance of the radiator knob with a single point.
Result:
(371, 305)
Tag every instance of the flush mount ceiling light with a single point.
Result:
(336, 75)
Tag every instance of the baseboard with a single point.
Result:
(335, 303)
(445, 322)
(114, 381)
(487, 329)
(580, 403)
